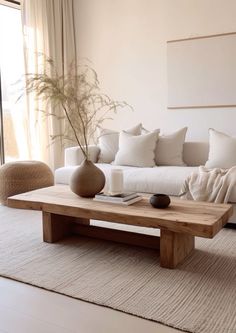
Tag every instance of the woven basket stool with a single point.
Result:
(23, 176)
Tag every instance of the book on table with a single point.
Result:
(121, 197)
(125, 203)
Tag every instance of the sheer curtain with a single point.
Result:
(48, 28)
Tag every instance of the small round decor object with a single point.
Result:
(160, 200)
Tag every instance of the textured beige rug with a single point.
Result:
(199, 296)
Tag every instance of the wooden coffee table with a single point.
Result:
(64, 214)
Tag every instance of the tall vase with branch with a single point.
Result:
(76, 99)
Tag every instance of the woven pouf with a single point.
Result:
(23, 176)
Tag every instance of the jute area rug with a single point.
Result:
(199, 296)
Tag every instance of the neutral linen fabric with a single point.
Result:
(199, 296)
(195, 153)
(108, 142)
(212, 185)
(169, 148)
(74, 155)
(222, 153)
(49, 30)
(137, 150)
(164, 179)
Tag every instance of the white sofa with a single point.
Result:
(159, 179)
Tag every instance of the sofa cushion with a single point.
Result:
(195, 153)
(164, 179)
(136, 150)
(108, 142)
(169, 148)
(222, 153)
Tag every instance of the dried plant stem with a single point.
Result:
(73, 129)
(80, 99)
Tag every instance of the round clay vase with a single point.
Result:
(87, 180)
(160, 200)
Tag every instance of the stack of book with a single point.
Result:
(121, 199)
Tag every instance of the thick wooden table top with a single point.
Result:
(191, 217)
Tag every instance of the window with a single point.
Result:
(12, 130)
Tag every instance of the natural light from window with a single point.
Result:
(12, 69)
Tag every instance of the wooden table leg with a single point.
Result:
(56, 227)
(174, 248)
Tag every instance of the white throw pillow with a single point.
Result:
(169, 149)
(137, 150)
(108, 142)
(222, 152)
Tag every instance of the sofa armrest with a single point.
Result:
(74, 155)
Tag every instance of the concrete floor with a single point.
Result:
(27, 309)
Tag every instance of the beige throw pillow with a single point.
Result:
(136, 151)
(222, 152)
(108, 142)
(169, 149)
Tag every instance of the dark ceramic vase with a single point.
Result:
(160, 200)
(87, 180)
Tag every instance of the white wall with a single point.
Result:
(126, 41)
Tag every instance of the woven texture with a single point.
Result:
(199, 296)
(23, 176)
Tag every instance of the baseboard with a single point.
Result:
(230, 225)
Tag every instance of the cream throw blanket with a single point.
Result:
(212, 185)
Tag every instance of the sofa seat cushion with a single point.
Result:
(163, 179)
